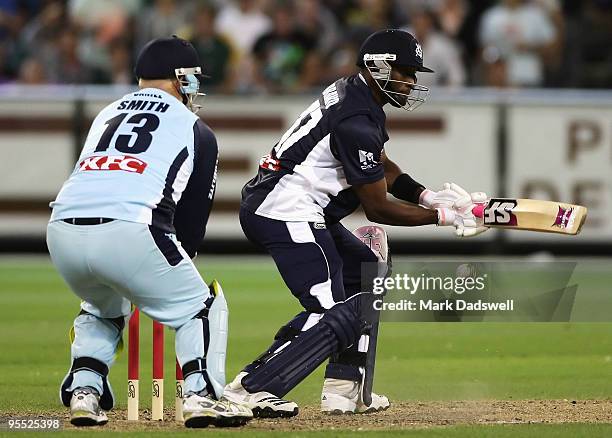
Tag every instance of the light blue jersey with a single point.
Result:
(135, 164)
(149, 164)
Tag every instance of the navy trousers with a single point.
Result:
(321, 265)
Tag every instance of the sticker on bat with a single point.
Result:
(499, 212)
(565, 217)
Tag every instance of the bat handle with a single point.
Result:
(478, 210)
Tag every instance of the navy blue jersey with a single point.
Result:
(334, 144)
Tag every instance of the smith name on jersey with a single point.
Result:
(147, 159)
(334, 144)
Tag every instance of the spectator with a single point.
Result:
(316, 21)
(213, 49)
(524, 35)
(467, 37)
(101, 23)
(11, 19)
(451, 16)
(441, 52)
(341, 62)
(119, 70)
(494, 68)
(281, 53)
(368, 16)
(5, 71)
(164, 18)
(500, 42)
(31, 72)
(554, 71)
(41, 32)
(594, 55)
(63, 64)
(242, 24)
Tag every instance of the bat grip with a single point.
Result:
(478, 210)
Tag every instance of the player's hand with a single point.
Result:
(468, 224)
(461, 217)
(445, 198)
(473, 226)
(449, 194)
(476, 197)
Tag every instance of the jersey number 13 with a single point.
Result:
(122, 143)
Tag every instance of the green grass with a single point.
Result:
(416, 361)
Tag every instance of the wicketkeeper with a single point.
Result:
(123, 231)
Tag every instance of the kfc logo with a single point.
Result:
(126, 163)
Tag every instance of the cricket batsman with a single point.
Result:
(327, 164)
(124, 229)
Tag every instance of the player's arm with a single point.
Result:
(400, 184)
(452, 197)
(357, 144)
(404, 187)
(193, 209)
(380, 209)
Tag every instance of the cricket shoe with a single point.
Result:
(85, 408)
(202, 411)
(342, 397)
(263, 404)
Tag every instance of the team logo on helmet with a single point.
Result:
(419, 51)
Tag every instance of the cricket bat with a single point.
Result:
(532, 215)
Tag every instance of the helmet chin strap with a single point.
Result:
(380, 70)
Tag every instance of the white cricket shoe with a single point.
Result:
(263, 404)
(85, 408)
(342, 397)
(201, 411)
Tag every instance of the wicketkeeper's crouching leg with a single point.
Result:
(88, 373)
(150, 269)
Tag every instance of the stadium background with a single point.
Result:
(509, 112)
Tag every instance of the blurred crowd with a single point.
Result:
(293, 46)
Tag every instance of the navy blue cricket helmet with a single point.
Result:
(172, 58)
(389, 48)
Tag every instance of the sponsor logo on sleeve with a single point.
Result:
(367, 160)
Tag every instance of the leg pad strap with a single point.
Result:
(107, 399)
